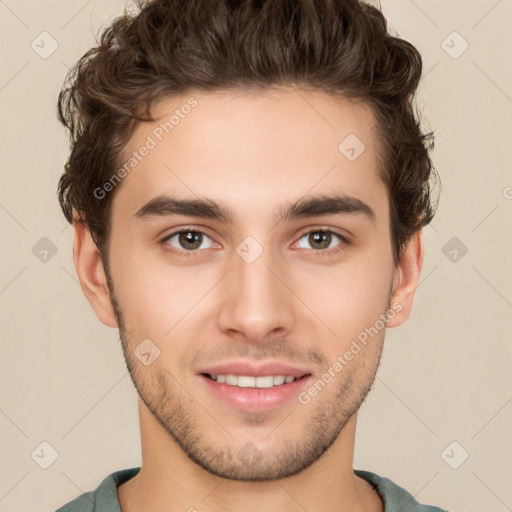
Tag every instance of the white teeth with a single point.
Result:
(265, 382)
(232, 380)
(246, 381)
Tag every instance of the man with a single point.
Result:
(248, 185)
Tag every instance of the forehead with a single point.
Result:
(253, 150)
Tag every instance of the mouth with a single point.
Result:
(249, 381)
(254, 388)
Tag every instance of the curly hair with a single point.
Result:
(166, 47)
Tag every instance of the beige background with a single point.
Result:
(445, 374)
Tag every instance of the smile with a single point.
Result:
(248, 381)
(255, 393)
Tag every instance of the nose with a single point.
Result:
(257, 300)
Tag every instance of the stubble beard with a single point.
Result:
(238, 460)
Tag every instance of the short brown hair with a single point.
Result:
(168, 47)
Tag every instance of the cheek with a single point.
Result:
(350, 298)
(153, 296)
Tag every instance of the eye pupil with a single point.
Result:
(320, 237)
(192, 238)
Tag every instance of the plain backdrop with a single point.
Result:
(438, 419)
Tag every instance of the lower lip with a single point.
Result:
(256, 399)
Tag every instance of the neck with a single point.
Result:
(169, 481)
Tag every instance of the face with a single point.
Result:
(254, 256)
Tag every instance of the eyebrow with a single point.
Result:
(312, 206)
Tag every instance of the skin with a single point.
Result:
(253, 153)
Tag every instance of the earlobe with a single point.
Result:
(91, 274)
(405, 279)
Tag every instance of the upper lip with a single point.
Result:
(254, 369)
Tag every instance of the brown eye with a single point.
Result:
(188, 240)
(321, 239)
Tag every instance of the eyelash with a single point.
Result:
(317, 253)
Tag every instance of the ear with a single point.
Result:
(405, 279)
(91, 274)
